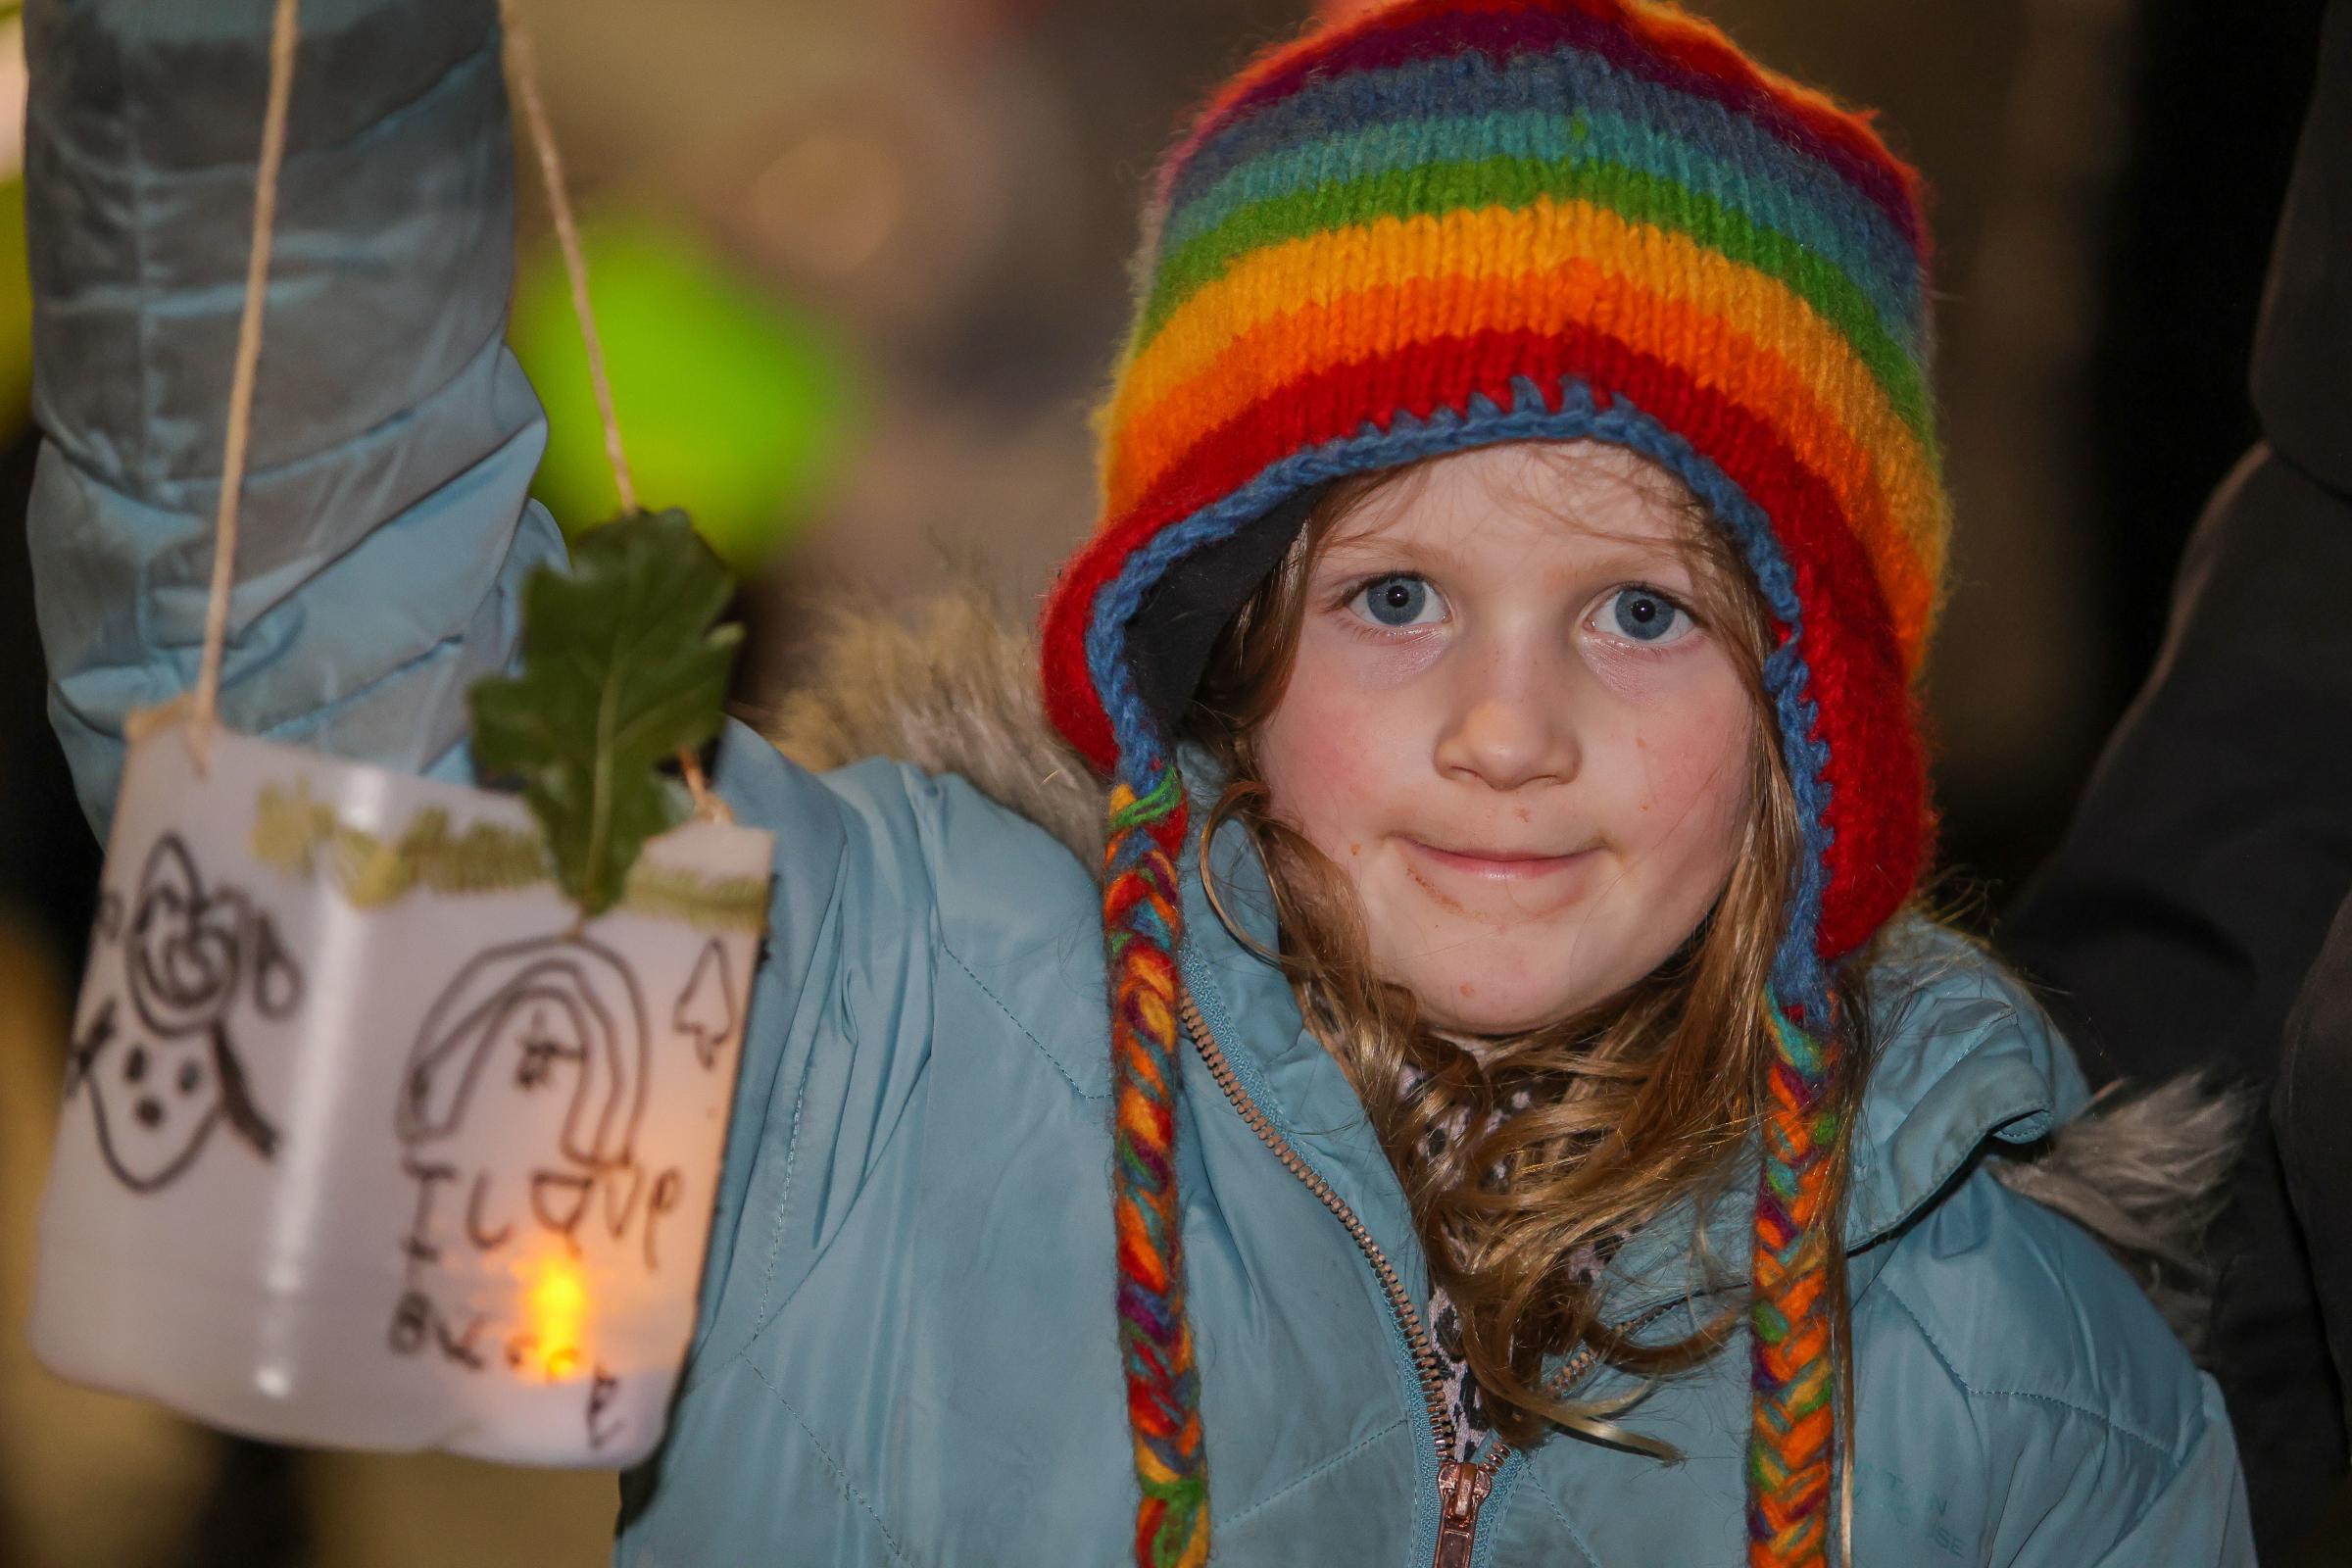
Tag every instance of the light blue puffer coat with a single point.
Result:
(905, 1353)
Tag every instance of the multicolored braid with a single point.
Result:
(1143, 924)
(1792, 1422)
(1456, 222)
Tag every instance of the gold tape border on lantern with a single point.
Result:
(303, 838)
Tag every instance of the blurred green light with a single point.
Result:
(733, 403)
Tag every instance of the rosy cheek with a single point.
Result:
(1329, 749)
(1693, 767)
(1316, 793)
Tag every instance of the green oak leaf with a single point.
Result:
(620, 668)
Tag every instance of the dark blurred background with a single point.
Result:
(863, 270)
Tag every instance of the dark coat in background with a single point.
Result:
(2198, 913)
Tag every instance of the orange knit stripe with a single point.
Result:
(1232, 346)
(1766, 387)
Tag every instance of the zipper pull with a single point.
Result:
(1461, 1487)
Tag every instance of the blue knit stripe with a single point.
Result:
(1551, 136)
(1798, 976)
(1561, 83)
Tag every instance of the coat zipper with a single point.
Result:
(1425, 1353)
(1462, 1486)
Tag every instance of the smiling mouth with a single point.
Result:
(1497, 866)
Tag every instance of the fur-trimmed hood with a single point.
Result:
(953, 689)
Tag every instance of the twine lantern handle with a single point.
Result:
(204, 702)
(522, 71)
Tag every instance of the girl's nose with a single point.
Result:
(1512, 725)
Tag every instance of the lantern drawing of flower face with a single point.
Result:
(165, 1071)
(526, 1086)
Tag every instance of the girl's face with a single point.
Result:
(1508, 729)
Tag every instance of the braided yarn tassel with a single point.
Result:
(1792, 1430)
(1143, 923)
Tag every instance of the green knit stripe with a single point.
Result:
(1820, 214)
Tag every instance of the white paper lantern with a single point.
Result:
(368, 1139)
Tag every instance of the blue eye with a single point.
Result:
(1645, 616)
(1400, 601)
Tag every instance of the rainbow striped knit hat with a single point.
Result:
(1456, 222)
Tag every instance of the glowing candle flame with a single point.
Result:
(556, 1310)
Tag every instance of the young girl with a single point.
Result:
(1535, 1133)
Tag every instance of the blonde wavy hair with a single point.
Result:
(1638, 1105)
